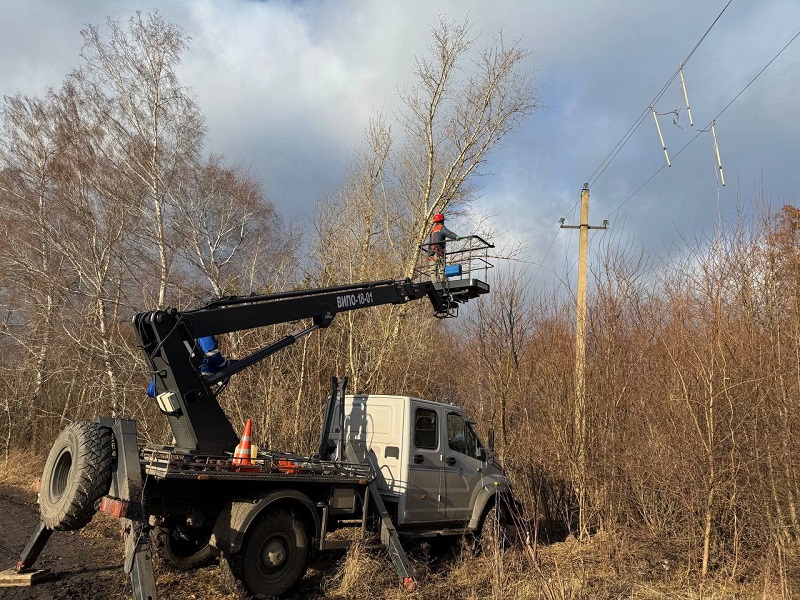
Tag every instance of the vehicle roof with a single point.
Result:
(407, 398)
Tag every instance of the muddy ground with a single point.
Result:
(88, 563)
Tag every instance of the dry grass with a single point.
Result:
(22, 471)
(202, 584)
(603, 568)
(361, 574)
(625, 564)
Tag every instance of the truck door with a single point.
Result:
(462, 468)
(425, 481)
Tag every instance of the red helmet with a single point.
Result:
(438, 218)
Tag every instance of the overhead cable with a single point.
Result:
(632, 129)
(539, 268)
(707, 127)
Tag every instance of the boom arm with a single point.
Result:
(168, 339)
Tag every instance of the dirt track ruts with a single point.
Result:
(87, 564)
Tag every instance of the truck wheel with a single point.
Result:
(76, 474)
(273, 556)
(182, 549)
(493, 531)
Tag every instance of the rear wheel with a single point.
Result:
(274, 555)
(76, 474)
(182, 548)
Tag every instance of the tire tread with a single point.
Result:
(90, 475)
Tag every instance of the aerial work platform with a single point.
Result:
(462, 290)
(465, 271)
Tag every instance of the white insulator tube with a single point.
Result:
(686, 97)
(716, 151)
(661, 137)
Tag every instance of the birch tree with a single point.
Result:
(465, 101)
(99, 219)
(30, 147)
(155, 129)
(463, 105)
(223, 220)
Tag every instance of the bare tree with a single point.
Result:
(503, 327)
(222, 216)
(129, 84)
(99, 218)
(463, 105)
(30, 148)
(453, 123)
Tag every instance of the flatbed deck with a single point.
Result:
(164, 462)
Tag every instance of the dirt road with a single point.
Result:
(88, 563)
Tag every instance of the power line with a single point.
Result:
(631, 131)
(575, 262)
(640, 119)
(705, 129)
(796, 35)
(697, 45)
(569, 214)
(553, 241)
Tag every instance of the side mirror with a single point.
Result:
(481, 455)
(491, 440)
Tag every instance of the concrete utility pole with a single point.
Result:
(580, 359)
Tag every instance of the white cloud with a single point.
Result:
(288, 87)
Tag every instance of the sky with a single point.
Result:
(287, 88)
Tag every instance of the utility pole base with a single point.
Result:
(10, 578)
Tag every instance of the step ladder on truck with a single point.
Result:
(264, 514)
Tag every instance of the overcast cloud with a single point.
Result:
(288, 87)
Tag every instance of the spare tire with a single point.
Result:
(76, 474)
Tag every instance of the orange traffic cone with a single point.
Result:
(241, 456)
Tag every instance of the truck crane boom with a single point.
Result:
(263, 517)
(189, 399)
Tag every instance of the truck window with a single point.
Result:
(460, 436)
(425, 430)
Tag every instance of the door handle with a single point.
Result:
(451, 461)
(418, 458)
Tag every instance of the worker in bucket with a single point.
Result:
(213, 361)
(436, 244)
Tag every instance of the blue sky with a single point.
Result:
(288, 87)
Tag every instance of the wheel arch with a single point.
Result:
(487, 498)
(236, 518)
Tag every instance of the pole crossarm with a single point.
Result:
(587, 226)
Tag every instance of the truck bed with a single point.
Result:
(165, 462)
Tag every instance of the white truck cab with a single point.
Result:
(435, 475)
